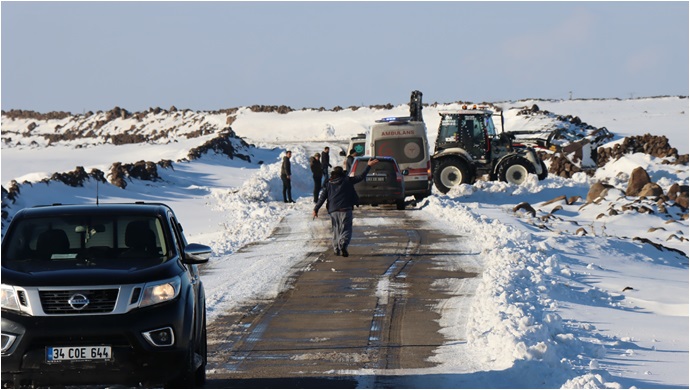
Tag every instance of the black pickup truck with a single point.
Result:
(105, 295)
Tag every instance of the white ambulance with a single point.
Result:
(405, 140)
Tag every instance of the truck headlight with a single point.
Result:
(159, 292)
(10, 299)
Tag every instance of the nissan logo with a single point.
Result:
(78, 301)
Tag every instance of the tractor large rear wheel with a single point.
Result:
(515, 169)
(449, 173)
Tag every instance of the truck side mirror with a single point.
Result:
(196, 254)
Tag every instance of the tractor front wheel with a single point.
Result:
(515, 170)
(449, 173)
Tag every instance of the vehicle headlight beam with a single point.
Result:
(159, 292)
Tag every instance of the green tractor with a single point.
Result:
(467, 147)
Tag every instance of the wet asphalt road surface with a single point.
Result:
(338, 316)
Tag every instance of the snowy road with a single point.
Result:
(347, 319)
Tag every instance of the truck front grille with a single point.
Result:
(78, 301)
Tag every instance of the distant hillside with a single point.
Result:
(229, 131)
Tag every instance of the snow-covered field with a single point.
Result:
(572, 295)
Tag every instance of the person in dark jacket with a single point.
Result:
(317, 172)
(286, 177)
(350, 160)
(341, 196)
(325, 163)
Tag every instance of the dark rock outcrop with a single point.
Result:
(223, 144)
(142, 170)
(638, 179)
(651, 190)
(596, 191)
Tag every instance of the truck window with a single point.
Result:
(490, 128)
(449, 129)
(358, 147)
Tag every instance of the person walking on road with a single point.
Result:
(325, 163)
(341, 196)
(317, 172)
(286, 177)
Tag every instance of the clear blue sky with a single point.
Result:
(81, 56)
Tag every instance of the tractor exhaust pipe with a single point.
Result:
(416, 106)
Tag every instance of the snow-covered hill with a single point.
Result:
(579, 289)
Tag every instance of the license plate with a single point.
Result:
(376, 178)
(61, 354)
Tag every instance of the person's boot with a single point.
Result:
(345, 254)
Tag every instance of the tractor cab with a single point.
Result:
(470, 129)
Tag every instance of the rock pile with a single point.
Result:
(279, 109)
(534, 110)
(77, 177)
(653, 145)
(12, 193)
(224, 143)
(640, 196)
(91, 125)
(127, 138)
(657, 146)
(560, 165)
(649, 195)
(142, 170)
(381, 107)
(116, 113)
(27, 114)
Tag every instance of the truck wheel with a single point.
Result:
(194, 375)
(544, 171)
(450, 173)
(400, 204)
(515, 170)
(200, 374)
(187, 378)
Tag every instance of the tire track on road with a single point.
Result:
(373, 310)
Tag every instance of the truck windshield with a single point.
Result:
(383, 167)
(64, 242)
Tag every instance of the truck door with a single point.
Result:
(472, 136)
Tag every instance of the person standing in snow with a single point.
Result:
(325, 163)
(350, 160)
(341, 196)
(286, 177)
(317, 173)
